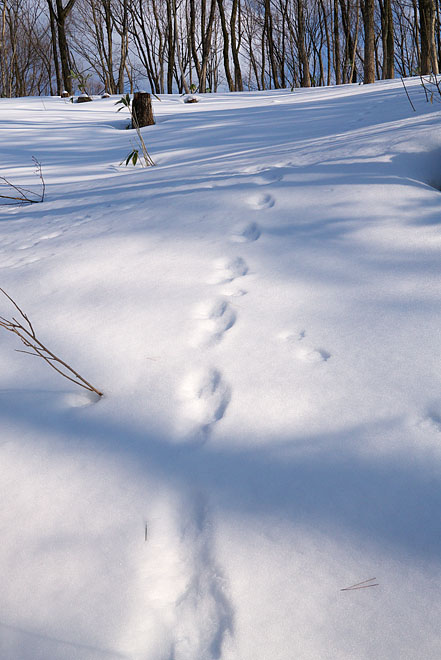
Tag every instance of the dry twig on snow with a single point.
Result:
(20, 195)
(26, 333)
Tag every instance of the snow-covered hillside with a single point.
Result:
(262, 311)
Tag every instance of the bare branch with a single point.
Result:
(26, 196)
(29, 339)
(20, 312)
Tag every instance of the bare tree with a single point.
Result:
(369, 41)
(59, 15)
(429, 59)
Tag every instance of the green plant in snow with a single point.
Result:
(133, 156)
(82, 78)
(125, 103)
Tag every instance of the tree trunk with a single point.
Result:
(171, 10)
(270, 42)
(303, 55)
(53, 24)
(61, 16)
(369, 38)
(226, 48)
(337, 56)
(206, 47)
(238, 82)
(429, 60)
(142, 112)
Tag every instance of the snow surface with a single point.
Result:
(262, 311)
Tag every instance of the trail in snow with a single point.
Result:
(204, 614)
(272, 468)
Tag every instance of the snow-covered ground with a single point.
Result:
(262, 311)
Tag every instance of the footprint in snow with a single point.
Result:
(82, 219)
(215, 318)
(291, 337)
(232, 291)
(45, 237)
(245, 232)
(309, 354)
(266, 177)
(227, 270)
(204, 615)
(205, 397)
(431, 421)
(303, 350)
(53, 234)
(260, 201)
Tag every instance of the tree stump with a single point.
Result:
(142, 111)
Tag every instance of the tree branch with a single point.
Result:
(30, 340)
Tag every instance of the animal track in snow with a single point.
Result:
(205, 397)
(227, 270)
(303, 349)
(204, 616)
(45, 237)
(82, 219)
(264, 175)
(268, 176)
(309, 354)
(432, 418)
(232, 291)
(52, 234)
(260, 201)
(215, 318)
(25, 262)
(291, 337)
(246, 232)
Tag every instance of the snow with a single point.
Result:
(261, 311)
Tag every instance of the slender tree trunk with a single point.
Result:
(53, 24)
(328, 42)
(369, 42)
(170, 4)
(337, 56)
(270, 42)
(303, 55)
(61, 16)
(429, 60)
(194, 51)
(178, 52)
(206, 47)
(235, 44)
(226, 46)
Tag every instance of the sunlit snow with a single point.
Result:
(262, 312)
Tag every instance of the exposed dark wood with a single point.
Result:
(429, 60)
(369, 38)
(142, 111)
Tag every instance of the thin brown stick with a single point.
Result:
(366, 586)
(20, 311)
(361, 585)
(147, 158)
(407, 94)
(39, 171)
(26, 196)
(30, 340)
